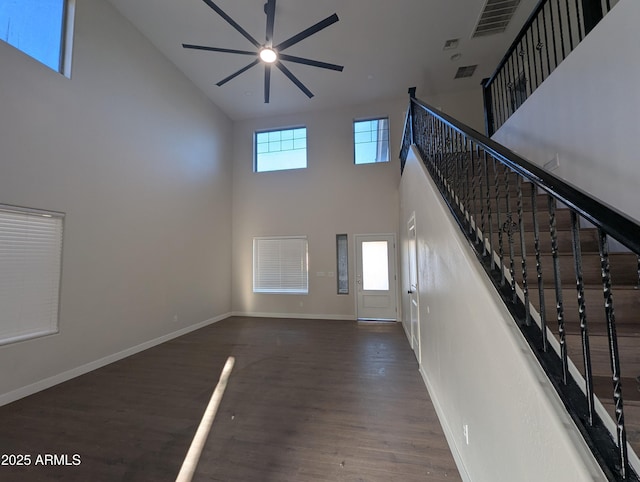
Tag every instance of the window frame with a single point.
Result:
(281, 129)
(368, 119)
(52, 325)
(304, 287)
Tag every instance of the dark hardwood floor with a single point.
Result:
(306, 401)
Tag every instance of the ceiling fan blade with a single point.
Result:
(215, 49)
(267, 82)
(232, 22)
(314, 63)
(270, 10)
(294, 79)
(308, 32)
(234, 75)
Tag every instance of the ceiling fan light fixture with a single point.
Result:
(268, 55)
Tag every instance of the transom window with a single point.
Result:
(280, 265)
(37, 28)
(371, 140)
(278, 150)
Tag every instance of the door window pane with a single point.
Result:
(375, 265)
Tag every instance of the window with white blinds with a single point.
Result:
(280, 265)
(30, 263)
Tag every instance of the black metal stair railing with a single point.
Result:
(502, 203)
(549, 35)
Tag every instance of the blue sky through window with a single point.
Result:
(34, 27)
(371, 141)
(280, 150)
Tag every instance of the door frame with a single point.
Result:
(415, 289)
(393, 255)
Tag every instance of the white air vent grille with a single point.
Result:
(495, 17)
(466, 71)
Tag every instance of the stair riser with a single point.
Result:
(563, 221)
(626, 305)
(623, 270)
(588, 241)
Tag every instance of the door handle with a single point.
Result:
(410, 292)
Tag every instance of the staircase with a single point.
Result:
(566, 266)
(624, 275)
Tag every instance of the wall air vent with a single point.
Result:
(466, 71)
(495, 17)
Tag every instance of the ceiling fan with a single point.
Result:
(268, 53)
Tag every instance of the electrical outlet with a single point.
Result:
(465, 432)
(175, 318)
(553, 164)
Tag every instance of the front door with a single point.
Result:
(376, 277)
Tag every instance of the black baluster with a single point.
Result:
(536, 246)
(498, 220)
(447, 166)
(580, 25)
(481, 170)
(468, 175)
(458, 182)
(570, 29)
(503, 97)
(455, 181)
(613, 352)
(564, 56)
(507, 96)
(582, 312)
(489, 213)
(508, 228)
(538, 47)
(553, 37)
(443, 153)
(474, 190)
(558, 287)
(514, 78)
(546, 41)
(495, 101)
(525, 286)
(528, 55)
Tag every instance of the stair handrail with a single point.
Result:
(620, 226)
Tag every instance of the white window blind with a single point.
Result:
(30, 263)
(280, 265)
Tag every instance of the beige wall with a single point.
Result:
(477, 366)
(587, 113)
(331, 196)
(466, 106)
(139, 161)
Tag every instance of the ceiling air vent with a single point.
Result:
(466, 71)
(495, 17)
(451, 44)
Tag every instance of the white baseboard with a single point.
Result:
(22, 392)
(304, 316)
(446, 429)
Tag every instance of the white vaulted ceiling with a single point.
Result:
(384, 46)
